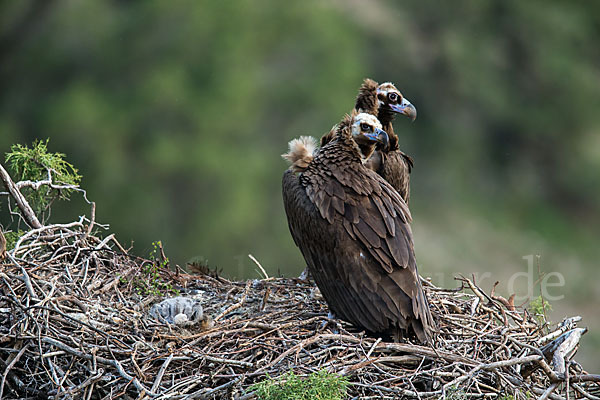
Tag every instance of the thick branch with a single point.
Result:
(28, 214)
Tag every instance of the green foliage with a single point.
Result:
(540, 309)
(149, 281)
(36, 164)
(320, 385)
(12, 237)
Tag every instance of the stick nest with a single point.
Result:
(74, 323)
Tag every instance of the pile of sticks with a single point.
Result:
(75, 324)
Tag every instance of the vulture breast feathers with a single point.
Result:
(353, 230)
(385, 101)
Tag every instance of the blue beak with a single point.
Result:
(379, 136)
(405, 108)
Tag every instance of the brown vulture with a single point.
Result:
(385, 101)
(353, 229)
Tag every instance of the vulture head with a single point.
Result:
(366, 131)
(391, 101)
(383, 100)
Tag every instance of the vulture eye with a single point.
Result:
(365, 127)
(393, 97)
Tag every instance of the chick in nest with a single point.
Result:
(182, 312)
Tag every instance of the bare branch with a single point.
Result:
(28, 214)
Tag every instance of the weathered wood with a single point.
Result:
(557, 352)
(563, 348)
(28, 214)
(565, 325)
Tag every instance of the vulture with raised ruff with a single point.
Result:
(353, 230)
(385, 101)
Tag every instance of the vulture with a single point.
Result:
(385, 101)
(353, 229)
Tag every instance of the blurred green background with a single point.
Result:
(176, 113)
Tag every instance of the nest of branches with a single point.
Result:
(74, 323)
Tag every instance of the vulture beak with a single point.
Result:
(380, 136)
(383, 139)
(405, 108)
